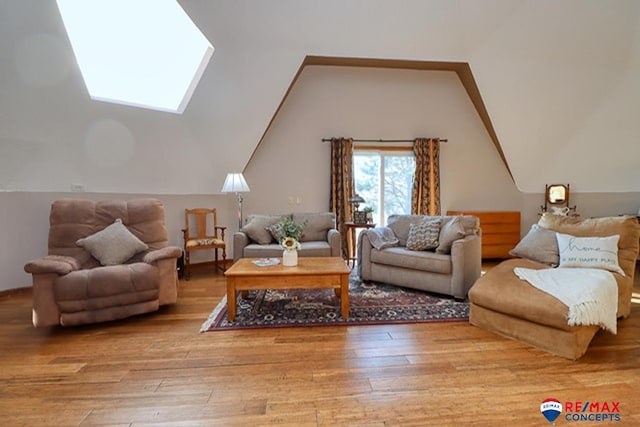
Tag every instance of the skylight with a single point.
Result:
(143, 53)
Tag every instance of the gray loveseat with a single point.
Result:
(319, 238)
(451, 268)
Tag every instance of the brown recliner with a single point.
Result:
(71, 287)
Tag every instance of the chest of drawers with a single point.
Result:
(500, 231)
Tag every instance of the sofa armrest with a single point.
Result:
(466, 262)
(163, 253)
(58, 264)
(240, 241)
(364, 256)
(335, 241)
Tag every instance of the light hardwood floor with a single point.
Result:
(157, 369)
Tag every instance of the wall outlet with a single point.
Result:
(77, 188)
(299, 200)
(291, 200)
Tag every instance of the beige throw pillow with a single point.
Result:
(256, 228)
(424, 235)
(277, 231)
(589, 252)
(540, 244)
(450, 231)
(316, 225)
(113, 245)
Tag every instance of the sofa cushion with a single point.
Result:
(424, 235)
(316, 248)
(104, 287)
(589, 252)
(626, 227)
(317, 225)
(539, 244)
(113, 245)
(417, 260)
(450, 231)
(399, 223)
(256, 227)
(273, 250)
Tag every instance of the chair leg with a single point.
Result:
(218, 265)
(224, 260)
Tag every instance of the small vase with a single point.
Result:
(290, 258)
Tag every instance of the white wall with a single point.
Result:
(292, 160)
(559, 79)
(375, 103)
(587, 205)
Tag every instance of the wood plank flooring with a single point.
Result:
(158, 370)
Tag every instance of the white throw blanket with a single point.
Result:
(590, 294)
(382, 237)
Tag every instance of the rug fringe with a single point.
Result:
(214, 315)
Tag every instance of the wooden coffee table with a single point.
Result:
(310, 273)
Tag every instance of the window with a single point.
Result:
(143, 53)
(384, 179)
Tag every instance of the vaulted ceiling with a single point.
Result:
(559, 81)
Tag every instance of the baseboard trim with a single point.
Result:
(8, 293)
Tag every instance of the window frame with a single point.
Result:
(382, 152)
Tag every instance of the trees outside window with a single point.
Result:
(384, 179)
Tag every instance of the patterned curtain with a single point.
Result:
(425, 195)
(341, 183)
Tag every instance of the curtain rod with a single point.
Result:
(381, 140)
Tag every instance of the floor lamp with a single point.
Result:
(235, 183)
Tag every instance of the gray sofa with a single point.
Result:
(451, 268)
(320, 238)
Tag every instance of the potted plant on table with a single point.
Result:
(368, 210)
(291, 241)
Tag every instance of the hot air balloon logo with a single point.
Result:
(551, 408)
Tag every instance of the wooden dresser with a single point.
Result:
(500, 231)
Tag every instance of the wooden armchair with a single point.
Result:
(202, 232)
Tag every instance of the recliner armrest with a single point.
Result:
(162, 253)
(57, 264)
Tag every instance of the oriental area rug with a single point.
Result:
(371, 303)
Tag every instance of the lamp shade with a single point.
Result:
(235, 183)
(356, 199)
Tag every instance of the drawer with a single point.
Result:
(500, 228)
(500, 231)
(500, 239)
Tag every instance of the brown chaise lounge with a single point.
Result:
(508, 306)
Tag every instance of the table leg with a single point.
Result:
(352, 246)
(344, 295)
(231, 298)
